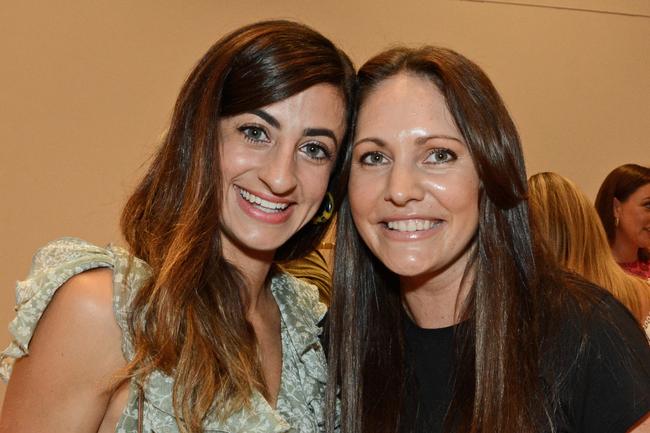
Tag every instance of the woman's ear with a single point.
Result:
(616, 208)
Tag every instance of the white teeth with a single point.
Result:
(265, 205)
(411, 225)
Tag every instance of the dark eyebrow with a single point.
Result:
(309, 132)
(318, 132)
(420, 140)
(266, 116)
(378, 141)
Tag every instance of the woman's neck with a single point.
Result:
(255, 267)
(256, 293)
(623, 249)
(436, 301)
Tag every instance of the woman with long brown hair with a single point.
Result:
(447, 315)
(570, 227)
(623, 204)
(194, 328)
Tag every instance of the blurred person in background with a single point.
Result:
(623, 204)
(570, 227)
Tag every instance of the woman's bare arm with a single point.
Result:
(65, 383)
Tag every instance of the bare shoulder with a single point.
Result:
(79, 325)
(87, 296)
(66, 381)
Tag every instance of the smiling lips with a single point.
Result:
(264, 210)
(261, 204)
(412, 225)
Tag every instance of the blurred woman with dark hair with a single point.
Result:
(623, 203)
(447, 315)
(569, 226)
(194, 328)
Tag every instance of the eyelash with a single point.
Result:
(246, 130)
(326, 152)
(448, 152)
(365, 156)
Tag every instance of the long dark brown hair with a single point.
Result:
(619, 184)
(188, 320)
(509, 305)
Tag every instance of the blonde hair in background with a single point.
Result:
(573, 233)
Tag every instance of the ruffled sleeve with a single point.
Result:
(52, 266)
(301, 313)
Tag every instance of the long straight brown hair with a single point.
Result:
(571, 229)
(188, 320)
(508, 312)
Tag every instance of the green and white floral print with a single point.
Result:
(300, 405)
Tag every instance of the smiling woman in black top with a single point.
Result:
(448, 314)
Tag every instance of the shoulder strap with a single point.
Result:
(140, 409)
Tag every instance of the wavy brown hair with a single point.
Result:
(188, 320)
(515, 293)
(619, 184)
(571, 229)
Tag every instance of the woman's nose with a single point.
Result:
(278, 173)
(403, 185)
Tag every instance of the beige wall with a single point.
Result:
(86, 89)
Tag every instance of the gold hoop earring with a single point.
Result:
(615, 221)
(326, 209)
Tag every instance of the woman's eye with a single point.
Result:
(439, 156)
(254, 133)
(373, 158)
(316, 151)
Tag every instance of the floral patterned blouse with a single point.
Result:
(638, 268)
(300, 404)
